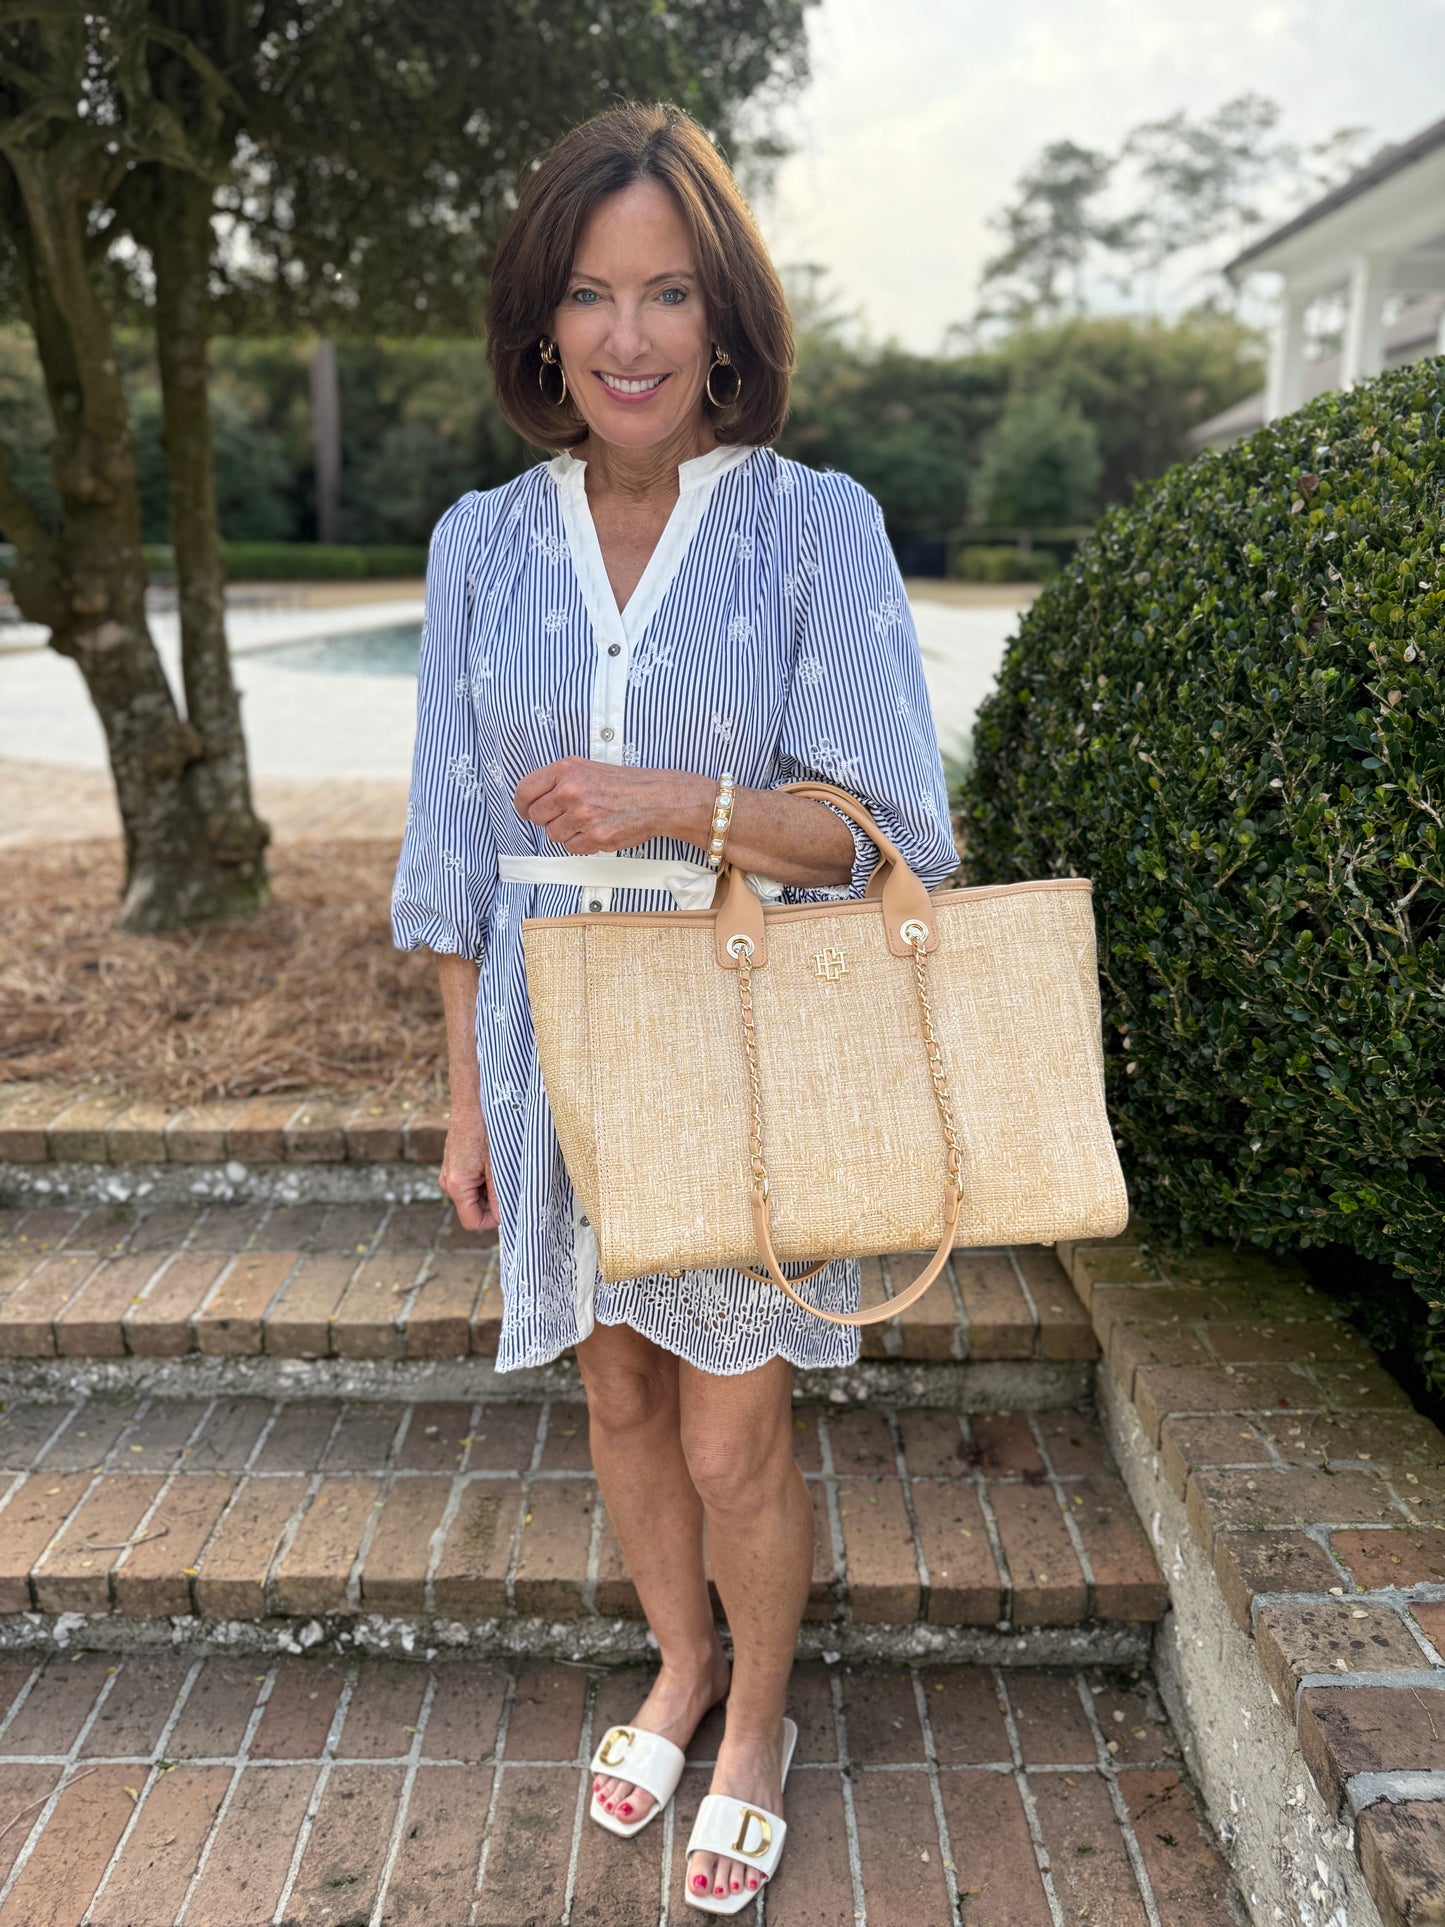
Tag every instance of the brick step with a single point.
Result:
(485, 1517)
(236, 1792)
(403, 1281)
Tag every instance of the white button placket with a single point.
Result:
(615, 631)
(609, 701)
(584, 1260)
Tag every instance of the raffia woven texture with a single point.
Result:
(639, 1036)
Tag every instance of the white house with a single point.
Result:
(1378, 236)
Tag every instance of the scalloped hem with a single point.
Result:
(825, 1348)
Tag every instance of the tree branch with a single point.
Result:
(186, 48)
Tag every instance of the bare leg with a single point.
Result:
(632, 1404)
(737, 1434)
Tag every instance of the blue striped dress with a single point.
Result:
(769, 635)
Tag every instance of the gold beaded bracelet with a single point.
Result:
(722, 816)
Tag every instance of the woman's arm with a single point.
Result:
(589, 807)
(466, 1173)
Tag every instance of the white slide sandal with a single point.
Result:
(736, 1831)
(648, 1761)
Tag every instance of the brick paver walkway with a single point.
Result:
(152, 1792)
(236, 1508)
(402, 1280)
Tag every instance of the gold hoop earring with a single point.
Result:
(548, 351)
(724, 360)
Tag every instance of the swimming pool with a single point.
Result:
(372, 652)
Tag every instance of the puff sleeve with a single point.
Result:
(858, 712)
(446, 875)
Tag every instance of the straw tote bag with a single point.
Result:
(907, 1071)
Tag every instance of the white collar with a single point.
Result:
(568, 470)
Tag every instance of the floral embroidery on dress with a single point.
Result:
(810, 671)
(888, 613)
(746, 548)
(835, 762)
(552, 547)
(739, 629)
(462, 688)
(554, 621)
(497, 774)
(723, 727)
(631, 755)
(650, 655)
(559, 1228)
(461, 771)
(451, 862)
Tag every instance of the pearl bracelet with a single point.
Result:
(722, 816)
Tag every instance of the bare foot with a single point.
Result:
(674, 1708)
(749, 1768)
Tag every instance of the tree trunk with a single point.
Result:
(88, 582)
(326, 440)
(181, 254)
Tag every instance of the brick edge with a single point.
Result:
(1173, 1339)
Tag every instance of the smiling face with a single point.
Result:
(632, 328)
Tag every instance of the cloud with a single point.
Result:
(923, 113)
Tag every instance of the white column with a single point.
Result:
(1285, 389)
(1364, 325)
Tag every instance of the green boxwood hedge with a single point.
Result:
(303, 561)
(1227, 710)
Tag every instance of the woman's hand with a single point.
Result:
(466, 1173)
(588, 807)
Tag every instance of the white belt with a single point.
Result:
(691, 884)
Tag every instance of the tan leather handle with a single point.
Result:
(762, 1231)
(904, 899)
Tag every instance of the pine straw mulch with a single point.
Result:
(307, 996)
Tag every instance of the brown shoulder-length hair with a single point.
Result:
(746, 307)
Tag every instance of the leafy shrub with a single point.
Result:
(1227, 710)
(1001, 562)
(319, 562)
(1042, 463)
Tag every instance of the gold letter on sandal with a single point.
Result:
(752, 1853)
(621, 1737)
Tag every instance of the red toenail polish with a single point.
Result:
(698, 1881)
(720, 1888)
(737, 1886)
(752, 1883)
(624, 1809)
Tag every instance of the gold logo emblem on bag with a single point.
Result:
(830, 964)
(620, 1737)
(752, 1853)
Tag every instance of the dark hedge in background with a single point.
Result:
(1227, 710)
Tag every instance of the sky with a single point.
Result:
(921, 114)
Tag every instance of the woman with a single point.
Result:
(665, 602)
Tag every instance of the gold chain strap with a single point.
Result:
(750, 1045)
(916, 933)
